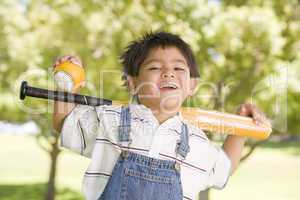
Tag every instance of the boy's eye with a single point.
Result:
(179, 68)
(153, 68)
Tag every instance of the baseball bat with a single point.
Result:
(214, 121)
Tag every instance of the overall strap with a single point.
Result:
(183, 147)
(124, 127)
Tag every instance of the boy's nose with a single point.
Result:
(168, 74)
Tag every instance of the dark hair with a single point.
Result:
(137, 51)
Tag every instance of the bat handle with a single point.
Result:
(26, 90)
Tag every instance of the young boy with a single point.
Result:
(146, 150)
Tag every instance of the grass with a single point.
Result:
(290, 147)
(271, 173)
(24, 170)
(34, 191)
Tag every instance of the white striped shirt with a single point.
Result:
(93, 132)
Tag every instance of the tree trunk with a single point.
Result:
(204, 195)
(50, 194)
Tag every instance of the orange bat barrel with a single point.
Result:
(224, 123)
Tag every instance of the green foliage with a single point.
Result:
(238, 45)
(246, 50)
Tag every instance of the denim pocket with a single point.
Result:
(139, 185)
(148, 177)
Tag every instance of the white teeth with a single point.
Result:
(169, 84)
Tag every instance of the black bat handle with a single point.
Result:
(26, 90)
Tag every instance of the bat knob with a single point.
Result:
(23, 90)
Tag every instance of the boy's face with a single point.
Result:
(164, 80)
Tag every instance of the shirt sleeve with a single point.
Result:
(80, 129)
(220, 171)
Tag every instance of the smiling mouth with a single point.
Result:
(168, 86)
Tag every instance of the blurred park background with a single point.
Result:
(246, 50)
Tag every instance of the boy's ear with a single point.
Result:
(193, 86)
(131, 84)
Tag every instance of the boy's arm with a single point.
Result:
(233, 145)
(63, 109)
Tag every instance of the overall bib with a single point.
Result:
(139, 177)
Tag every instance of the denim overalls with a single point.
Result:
(139, 177)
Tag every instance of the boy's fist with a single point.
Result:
(250, 110)
(68, 58)
(68, 73)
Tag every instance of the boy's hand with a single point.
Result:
(73, 59)
(250, 110)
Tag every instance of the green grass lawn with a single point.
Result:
(269, 174)
(273, 172)
(24, 170)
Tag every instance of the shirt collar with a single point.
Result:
(143, 112)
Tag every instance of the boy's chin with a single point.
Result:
(170, 105)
